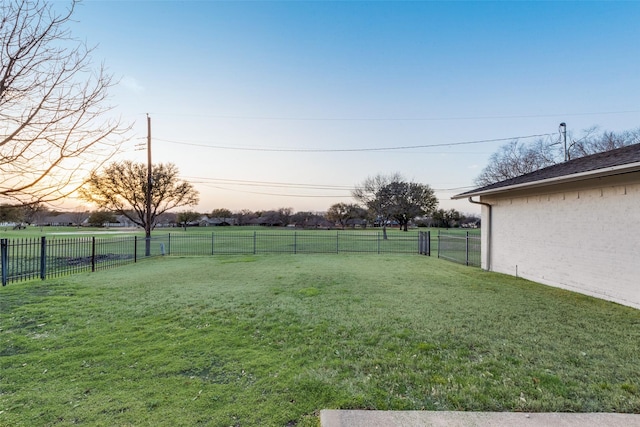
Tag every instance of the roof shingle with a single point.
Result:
(594, 162)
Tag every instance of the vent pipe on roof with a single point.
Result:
(563, 131)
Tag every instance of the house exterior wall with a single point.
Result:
(582, 237)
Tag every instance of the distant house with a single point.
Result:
(216, 222)
(63, 219)
(125, 222)
(573, 225)
(356, 223)
(267, 220)
(122, 221)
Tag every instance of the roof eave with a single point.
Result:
(598, 173)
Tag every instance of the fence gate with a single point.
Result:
(424, 243)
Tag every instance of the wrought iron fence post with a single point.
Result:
(337, 241)
(254, 242)
(135, 248)
(378, 243)
(168, 243)
(295, 242)
(93, 254)
(43, 257)
(439, 244)
(429, 243)
(467, 249)
(213, 243)
(4, 259)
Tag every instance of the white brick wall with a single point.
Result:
(582, 239)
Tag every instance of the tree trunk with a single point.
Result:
(147, 241)
(147, 245)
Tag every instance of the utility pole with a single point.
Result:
(147, 226)
(563, 131)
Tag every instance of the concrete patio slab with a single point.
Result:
(361, 418)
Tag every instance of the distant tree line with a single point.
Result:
(120, 194)
(338, 216)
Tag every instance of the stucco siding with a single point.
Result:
(583, 239)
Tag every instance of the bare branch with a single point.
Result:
(53, 125)
(516, 159)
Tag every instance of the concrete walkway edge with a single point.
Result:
(362, 418)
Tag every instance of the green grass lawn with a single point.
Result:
(270, 340)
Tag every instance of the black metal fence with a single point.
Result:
(287, 242)
(32, 258)
(460, 248)
(25, 259)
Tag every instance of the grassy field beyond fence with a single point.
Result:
(270, 340)
(59, 251)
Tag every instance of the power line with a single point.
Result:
(214, 183)
(312, 196)
(270, 183)
(398, 119)
(350, 150)
(332, 187)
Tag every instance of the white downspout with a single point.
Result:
(488, 230)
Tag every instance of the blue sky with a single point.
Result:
(227, 83)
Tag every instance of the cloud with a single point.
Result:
(132, 84)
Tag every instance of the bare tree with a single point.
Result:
(186, 217)
(220, 213)
(341, 213)
(33, 212)
(409, 200)
(306, 219)
(101, 218)
(122, 188)
(271, 218)
(446, 218)
(368, 194)
(9, 213)
(515, 159)
(79, 217)
(593, 142)
(245, 216)
(53, 125)
(391, 197)
(285, 215)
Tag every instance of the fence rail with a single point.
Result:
(32, 258)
